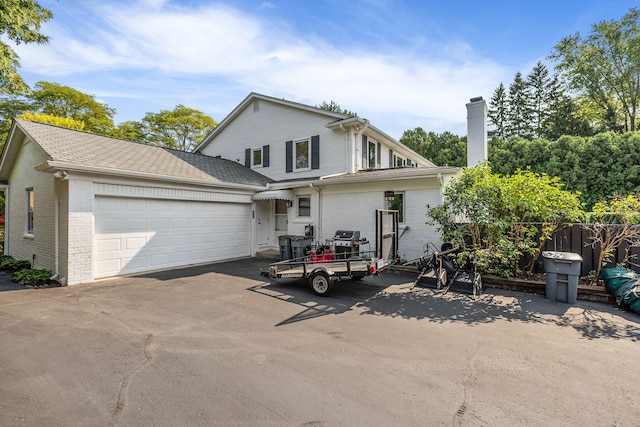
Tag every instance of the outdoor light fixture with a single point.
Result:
(289, 203)
(389, 196)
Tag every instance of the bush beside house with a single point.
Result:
(22, 273)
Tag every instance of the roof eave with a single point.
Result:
(54, 166)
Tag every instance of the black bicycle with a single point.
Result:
(440, 270)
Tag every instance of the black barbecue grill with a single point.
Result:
(347, 243)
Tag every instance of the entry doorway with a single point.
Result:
(387, 233)
(281, 218)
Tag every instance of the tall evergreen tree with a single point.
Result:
(540, 90)
(519, 112)
(498, 110)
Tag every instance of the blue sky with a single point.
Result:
(400, 64)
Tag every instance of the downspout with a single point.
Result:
(6, 219)
(56, 226)
(348, 151)
(359, 132)
(318, 209)
(58, 176)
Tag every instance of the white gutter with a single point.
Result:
(52, 166)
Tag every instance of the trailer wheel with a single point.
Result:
(320, 283)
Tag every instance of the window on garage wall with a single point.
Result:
(30, 202)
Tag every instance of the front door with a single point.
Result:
(263, 224)
(282, 218)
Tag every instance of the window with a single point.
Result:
(30, 204)
(257, 157)
(398, 204)
(398, 161)
(281, 215)
(372, 155)
(304, 206)
(302, 154)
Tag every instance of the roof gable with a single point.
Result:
(247, 102)
(86, 150)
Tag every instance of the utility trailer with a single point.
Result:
(323, 273)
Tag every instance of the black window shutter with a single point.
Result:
(378, 155)
(247, 157)
(315, 152)
(365, 152)
(391, 158)
(265, 156)
(289, 155)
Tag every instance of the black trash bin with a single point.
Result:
(285, 247)
(563, 275)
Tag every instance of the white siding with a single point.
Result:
(353, 207)
(273, 125)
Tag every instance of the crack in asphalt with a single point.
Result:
(467, 384)
(148, 357)
(124, 386)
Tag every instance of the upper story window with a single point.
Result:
(398, 161)
(257, 157)
(304, 206)
(303, 154)
(372, 155)
(29, 211)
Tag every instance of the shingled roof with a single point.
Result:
(85, 149)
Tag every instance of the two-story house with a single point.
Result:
(330, 171)
(88, 206)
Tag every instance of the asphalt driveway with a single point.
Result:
(222, 345)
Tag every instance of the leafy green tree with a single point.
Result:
(603, 66)
(182, 128)
(20, 21)
(491, 217)
(334, 107)
(566, 117)
(63, 101)
(10, 107)
(131, 130)
(442, 149)
(65, 122)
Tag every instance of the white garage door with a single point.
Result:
(134, 235)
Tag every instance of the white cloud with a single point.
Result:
(216, 42)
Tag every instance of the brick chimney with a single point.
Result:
(476, 131)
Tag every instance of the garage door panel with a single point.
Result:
(135, 235)
(179, 222)
(134, 224)
(107, 245)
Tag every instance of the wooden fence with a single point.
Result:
(574, 238)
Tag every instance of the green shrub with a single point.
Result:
(30, 277)
(8, 262)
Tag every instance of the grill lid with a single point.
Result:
(347, 235)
